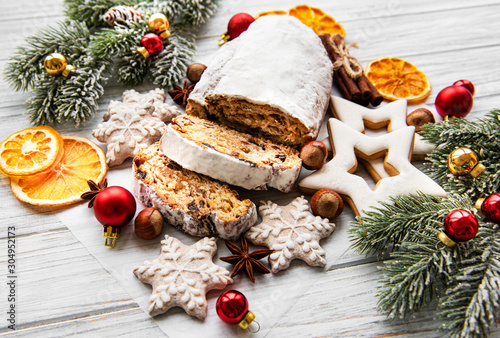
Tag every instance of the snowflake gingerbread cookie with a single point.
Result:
(394, 147)
(292, 232)
(134, 124)
(182, 275)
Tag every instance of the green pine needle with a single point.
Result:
(169, 67)
(191, 13)
(132, 69)
(117, 41)
(465, 278)
(417, 272)
(93, 48)
(25, 66)
(471, 302)
(91, 11)
(58, 99)
(480, 136)
(385, 227)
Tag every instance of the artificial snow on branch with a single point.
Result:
(99, 50)
(482, 137)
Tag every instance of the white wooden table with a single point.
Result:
(63, 289)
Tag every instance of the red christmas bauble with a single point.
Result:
(466, 84)
(114, 206)
(152, 43)
(491, 208)
(460, 225)
(454, 101)
(231, 306)
(238, 24)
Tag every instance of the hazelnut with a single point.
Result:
(327, 203)
(419, 117)
(148, 223)
(194, 71)
(313, 155)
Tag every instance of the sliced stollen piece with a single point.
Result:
(274, 80)
(230, 156)
(194, 203)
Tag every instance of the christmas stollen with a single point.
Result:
(195, 203)
(274, 81)
(233, 157)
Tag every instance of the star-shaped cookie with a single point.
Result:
(182, 275)
(292, 232)
(391, 115)
(338, 175)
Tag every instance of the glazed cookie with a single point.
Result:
(182, 275)
(134, 124)
(392, 116)
(348, 143)
(292, 232)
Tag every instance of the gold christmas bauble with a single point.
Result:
(463, 161)
(158, 23)
(55, 64)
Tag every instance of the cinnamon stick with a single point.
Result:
(349, 84)
(359, 90)
(363, 87)
(376, 98)
(343, 90)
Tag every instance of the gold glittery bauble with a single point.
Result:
(158, 23)
(463, 161)
(56, 64)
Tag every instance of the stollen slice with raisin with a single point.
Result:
(225, 154)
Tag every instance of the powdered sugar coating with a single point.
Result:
(278, 62)
(209, 226)
(226, 168)
(150, 185)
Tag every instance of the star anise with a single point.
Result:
(180, 94)
(241, 258)
(95, 189)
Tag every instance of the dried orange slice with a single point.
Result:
(315, 18)
(82, 160)
(398, 79)
(30, 151)
(275, 12)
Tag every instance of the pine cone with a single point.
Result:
(121, 15)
